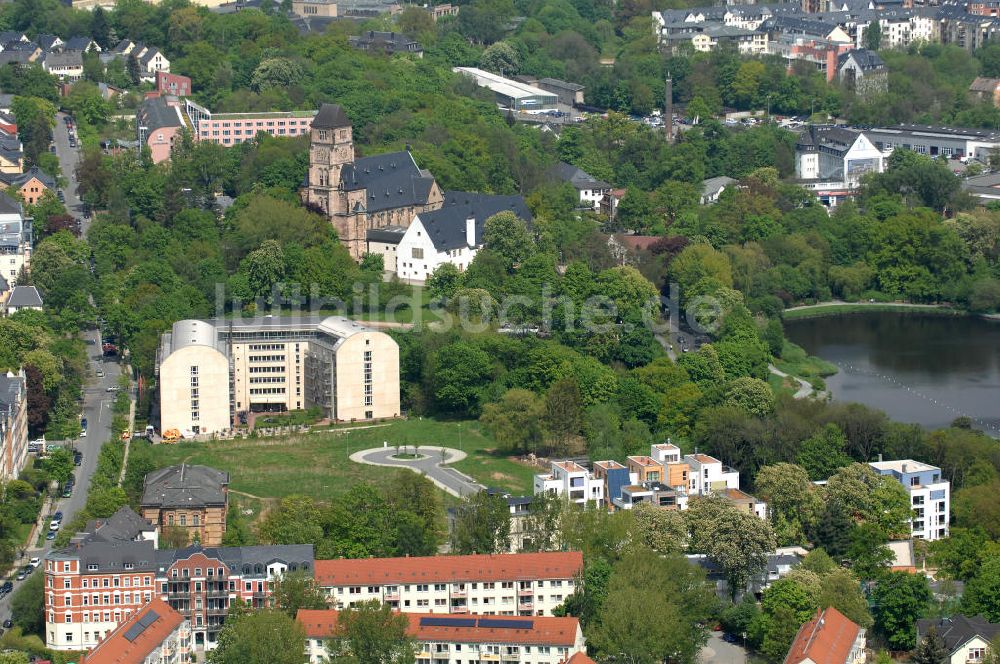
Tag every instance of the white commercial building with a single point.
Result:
(930, 496)
(510, 93)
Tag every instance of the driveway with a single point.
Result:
(717, 651)
(430, 464)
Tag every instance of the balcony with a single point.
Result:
(392, 597)
(525, 607)
(459, 609)
(511, 657)
(526, 592)
(459, 593)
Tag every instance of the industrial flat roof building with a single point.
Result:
(510, 93)
(214, 372)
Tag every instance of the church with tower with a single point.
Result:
(363, 194)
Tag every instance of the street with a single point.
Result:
(97, 401)
(718, 651)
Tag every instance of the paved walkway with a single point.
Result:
(432, 464)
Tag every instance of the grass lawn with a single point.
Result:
(859, 308)
(795, 361)
(317, 464)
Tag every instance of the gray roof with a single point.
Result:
(957, 630)
(150, 53)
(392, 180)
(556, 83)
(65, 58)
(123, 46)
(330, 116)
(8, 36)
(392, 42)
(387, 235)
(14, 57)
(78, 43)
(12, 389)
(47, 42)
(867, 60)
(446, 227)
(122, 526)
(579, 178)
(185, 486)
(155, 113)
(837, 139)
(4, 286)
(25, 46)
(713, 185)
(19, 179)
(9, 205)
(245, 559)
(24, 296)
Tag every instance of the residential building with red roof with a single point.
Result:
(829, 638)
(154, 633)
(451, 639)
(511, 584)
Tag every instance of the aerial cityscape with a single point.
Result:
(499, 331)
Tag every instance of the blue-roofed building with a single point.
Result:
(930, 495)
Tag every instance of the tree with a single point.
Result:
(264, 268)
(507, 236)
(738, 542)
(823, 453)
(541, 526)
(265, 636)
(27, 605)
(663, 531)
(59, 464)
(279, 73)
(501, 58)
(103, 502)
(460, 370)
(782, 627)
(868, 553)
(296, 520)
(900, 598)
(296, 590)
(931, 649)
(482, 525)
(841, 590)
(866, 496)
(793, 501)
(873, 36)
(629, 632)
(174, 537)
(515, 422)
(561, 413)
(635, 211)
(371, 633)
(982, 592)
(752, 395)
(444, 281)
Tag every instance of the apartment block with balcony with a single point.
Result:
(108, 574)
(930, 496)
(517, 584)
(454, 639)
(13, 424)
(155, 634)
(572, 481)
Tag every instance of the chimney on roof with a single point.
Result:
(904, 468)
(470, 231)
(880, 457)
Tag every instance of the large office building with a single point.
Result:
(510, 584)
(955, 142)
(213, 373)
(930, 495)
(455, 639)
(114, 569)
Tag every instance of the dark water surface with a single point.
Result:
(921, 368)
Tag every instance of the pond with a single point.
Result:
(921, 368)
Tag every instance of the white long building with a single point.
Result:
(515, 584)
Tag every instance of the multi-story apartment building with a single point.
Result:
(930, 495)
(194, 498)
(13, 424)
(105, 576)
(213, 373)
(572, 481)
(155, 634)
(513, 584)
(15, 239)
(454, 639)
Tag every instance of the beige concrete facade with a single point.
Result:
(309, 8)
(277, 364)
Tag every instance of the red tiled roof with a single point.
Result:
(116, 649)
(580, 658)
(320, 623)
(442, 569)
(826, 639)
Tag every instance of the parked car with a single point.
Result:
(35, 562)
(100, 373)
(113, 388)
(58, 516)
(8, 624)
(21, 575)
(51, 535)
(54, 525)
(6, 587)
(67, 491)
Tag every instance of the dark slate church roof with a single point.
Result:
(446, 227)
(330, 116)
(392, 180)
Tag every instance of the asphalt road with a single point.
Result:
(97, 401)
(448, 479)
(717, 651)
(68, 160)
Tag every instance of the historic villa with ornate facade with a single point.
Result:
(194, 498)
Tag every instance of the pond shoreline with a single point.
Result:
(841, 308)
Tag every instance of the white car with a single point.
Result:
(54, 525)
(35, 562)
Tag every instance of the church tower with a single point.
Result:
(331, 147)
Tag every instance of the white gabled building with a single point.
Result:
(452, 234)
